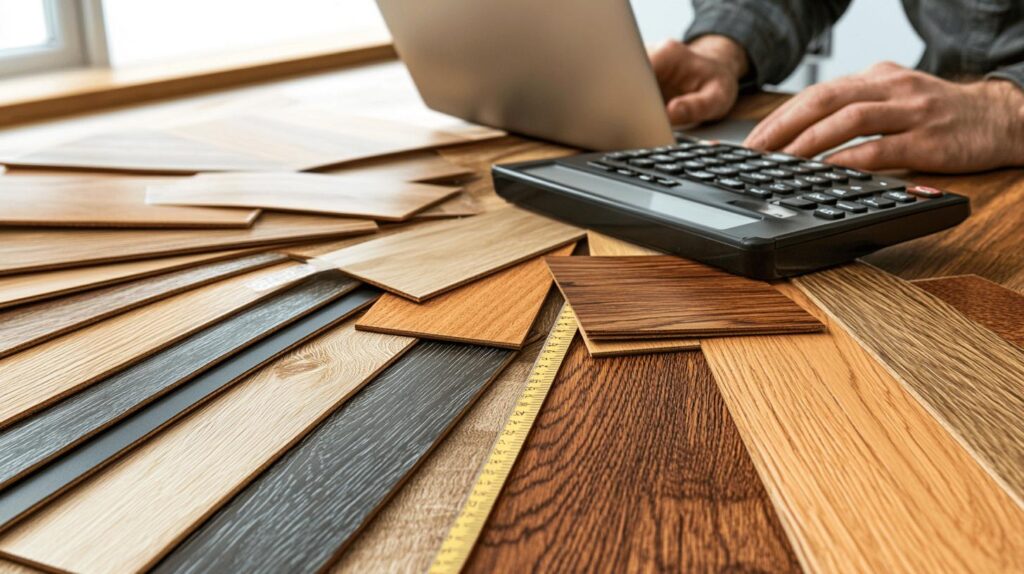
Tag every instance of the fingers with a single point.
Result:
(854, 120)
(711, 102)
(812, 105)
(890, 152)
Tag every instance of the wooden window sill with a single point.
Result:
(66, 92)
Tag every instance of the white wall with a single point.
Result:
(870, 31)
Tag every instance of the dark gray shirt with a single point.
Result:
(963, 38)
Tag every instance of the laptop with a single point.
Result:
(574, 72)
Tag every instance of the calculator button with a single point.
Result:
(924, 191)
(685, 142)
(850, 191)
(798, 203)
(799, 169)
(815, 180)
(827, 212)
(783, 158)
(672, 168)
(878, 202)
(600, 165)
(764, 163)
(748, 153)
(899, 196)
(662, 149)
(710, 162)
(759, 192)
(781, 188)
(818, 197)
(887, 184)
(628, 172)
(815, 166)
(645, 177)
(616, 156)
(695, 164)
(797, 184)
(730, 183)
(777, 173)
(754, 178)
(725, 171)
(745, 166)
(661, 158)
(854, 173)
(704, 151)
(642, 162)
(700, 175)
(682, 155)
(835, 177)
(730, 157)
(852, 207)
(666, 182)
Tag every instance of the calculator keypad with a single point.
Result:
(827, 191)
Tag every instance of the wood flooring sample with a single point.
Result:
(38, 250)
(354, 196)
(45, 373)
(158, 493)
(440, 256)
(417, 166)
(653, 476)
(989, 304)
(496, 310)
(662, 296)
(31, 287)
(970, 378)
(303, 511)
(103, 202)
(28, 325)
(50, 432)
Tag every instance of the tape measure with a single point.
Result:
(467, 527)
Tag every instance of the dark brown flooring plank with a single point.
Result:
(634, 465)
(105, 446)
(32, 324)
(989, 304)
(305, 509)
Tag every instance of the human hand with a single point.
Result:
(699, 81)
(926, 123)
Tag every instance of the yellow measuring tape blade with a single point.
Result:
(467, 527)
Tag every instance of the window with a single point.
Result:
(37, 35)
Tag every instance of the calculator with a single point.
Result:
(761, 215)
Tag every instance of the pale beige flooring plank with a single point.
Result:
(38, 376)
(967, 376)
(346, 195)
(439, 256)
(137, 509)
(417, 166)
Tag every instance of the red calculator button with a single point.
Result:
(924, 191)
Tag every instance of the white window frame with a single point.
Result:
(79, 40)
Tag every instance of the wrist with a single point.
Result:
(1008, 98)
(724, 50)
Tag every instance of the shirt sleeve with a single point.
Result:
(1013, 73)
(775, 33)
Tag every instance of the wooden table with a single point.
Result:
(989, 244)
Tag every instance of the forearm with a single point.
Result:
(773, 33)
(1007, 95)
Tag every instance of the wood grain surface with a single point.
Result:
(462, 205)
(966, 375)
(440, 256)
(416, 166)
(356, 196)
(663, 296)
(302, 512)
(863, 477)
(407, 533)
(32, 287)
(7, 567)
(989, 304)
(153, 497)
(658, 480)
(44, 374)
(28, 325)
(38, 250)
(50, 432)
(496, 310)
(162, 406)
(103, 202)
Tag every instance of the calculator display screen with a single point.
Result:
(663, 204)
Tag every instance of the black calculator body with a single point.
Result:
(761, 215)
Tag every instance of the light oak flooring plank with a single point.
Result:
(407, 533)
(29, 325)
(354, 196)
(496, 310)
(650, 477)
(38, 250)
(462, 205)
(154, 401)
(7, 567)
(603, 245)
(966, 375)
(152, 498)
(33, 287)
(417, 166)
(104, 202)
(663, 296)
(440, 256)
(986, 303)
(304, 510)
(863, 477)
(48, 372)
